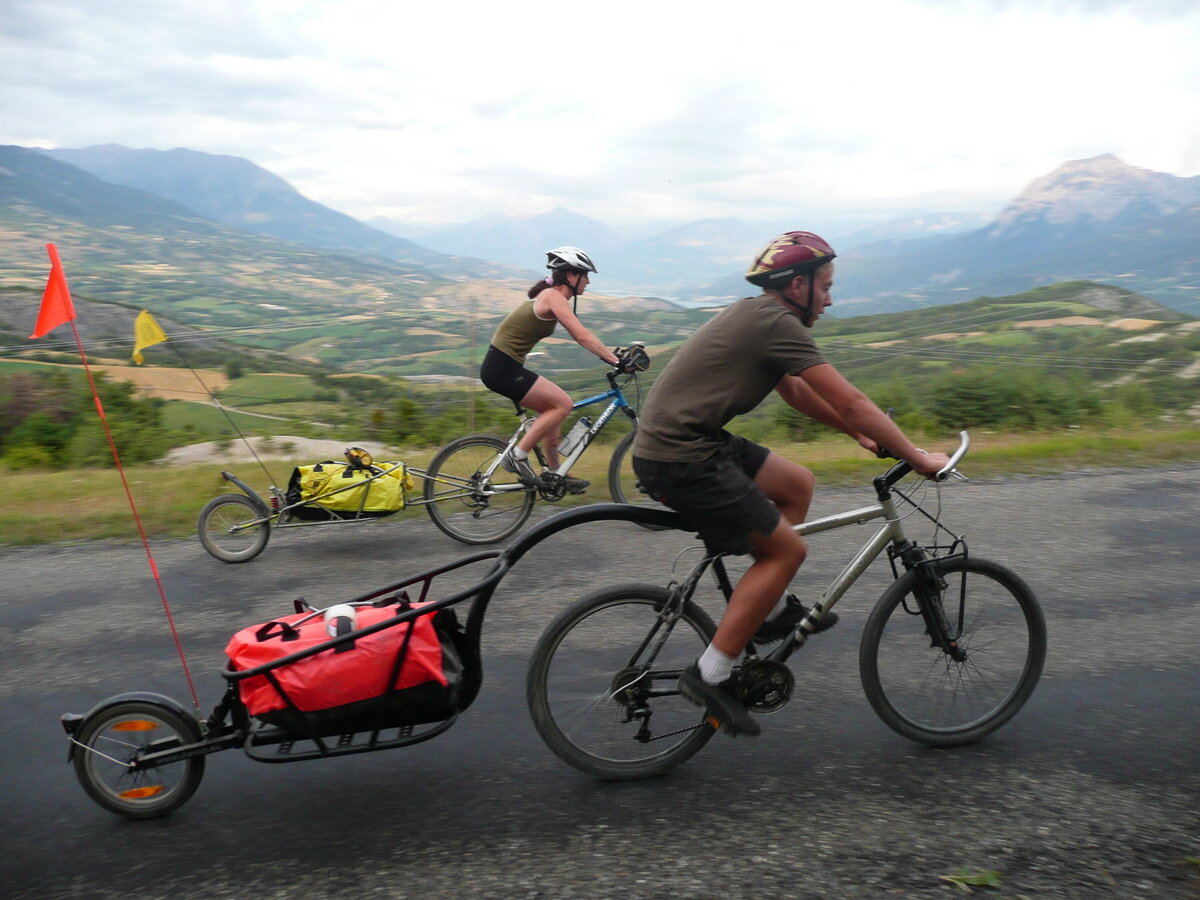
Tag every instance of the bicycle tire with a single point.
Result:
(924, 694)
(585, 653)
(221, 514)
(622, 481)
(117, 735)
(462, 504)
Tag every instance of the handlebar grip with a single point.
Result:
(964, 444)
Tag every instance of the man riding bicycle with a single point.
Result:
(737, 494)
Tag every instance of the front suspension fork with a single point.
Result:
(929, 590)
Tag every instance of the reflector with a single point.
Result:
(142, 793)
(135, 725)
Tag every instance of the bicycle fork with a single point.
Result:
(929, 590)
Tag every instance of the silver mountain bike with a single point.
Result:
(951, 651)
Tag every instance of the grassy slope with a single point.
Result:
(80, 504)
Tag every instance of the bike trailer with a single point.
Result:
(407, 674)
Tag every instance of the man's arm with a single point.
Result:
(798, 395)
(863, 417)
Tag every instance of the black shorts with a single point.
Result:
(716, 497)
(504, 375)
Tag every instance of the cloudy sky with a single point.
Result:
(634, 113)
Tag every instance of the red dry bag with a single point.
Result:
(406, 674)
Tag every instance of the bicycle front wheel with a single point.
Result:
(622, 481)
(224, 532)
(921, 691)
(111, 744)
(602, 690)
(464, 503)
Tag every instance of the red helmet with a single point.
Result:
(792, 253)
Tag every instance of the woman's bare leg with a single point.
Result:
(553, 405)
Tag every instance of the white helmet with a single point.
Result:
(569, 258)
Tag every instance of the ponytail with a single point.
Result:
(538, 286)
(556, 277)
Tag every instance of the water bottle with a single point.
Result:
(575, 435)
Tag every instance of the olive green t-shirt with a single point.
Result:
(521, 330)
(725, 369)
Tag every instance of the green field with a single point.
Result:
(90, 504)
(210, 423)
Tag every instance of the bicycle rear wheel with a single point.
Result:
(602, 700)
(622, 481)
(466, 505)
(929, 697)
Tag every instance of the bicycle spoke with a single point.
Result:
(924, 693)
(603, 713)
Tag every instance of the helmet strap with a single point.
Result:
(805, 310)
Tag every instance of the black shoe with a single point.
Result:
(725, 711)
(785, 623)
(575, 485)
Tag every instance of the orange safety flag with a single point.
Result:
(56, 300)
(146, 333)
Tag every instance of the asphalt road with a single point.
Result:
(1091, 791)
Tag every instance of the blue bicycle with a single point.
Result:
(474, 499)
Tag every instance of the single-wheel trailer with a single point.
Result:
(235, 527)
(142, 755)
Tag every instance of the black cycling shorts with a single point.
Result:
(716, 497)
(504, 375)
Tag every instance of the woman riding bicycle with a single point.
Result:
(551, 300)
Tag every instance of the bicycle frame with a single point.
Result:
(614, 393)
(890, 535)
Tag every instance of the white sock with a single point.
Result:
(518, 453)
(779, 607)
(715, 666)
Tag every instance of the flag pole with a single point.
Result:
(146, 333)
(57, 309)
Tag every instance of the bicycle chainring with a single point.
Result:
(553, 487)
(765, 685)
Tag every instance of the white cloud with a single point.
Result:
(629, 112)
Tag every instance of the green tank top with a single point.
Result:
(520, 331)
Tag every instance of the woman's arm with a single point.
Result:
(556, 304)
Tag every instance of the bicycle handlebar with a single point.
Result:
(632, 359)
(901, 468)
(964, 444)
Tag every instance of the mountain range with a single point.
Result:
(237, 193)
(1097, 219)
(216, 241)
(1100, 219)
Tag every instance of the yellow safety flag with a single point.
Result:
(146, 333)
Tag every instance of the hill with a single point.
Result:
(238, 193)
(132, 250)
(1069, 354)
